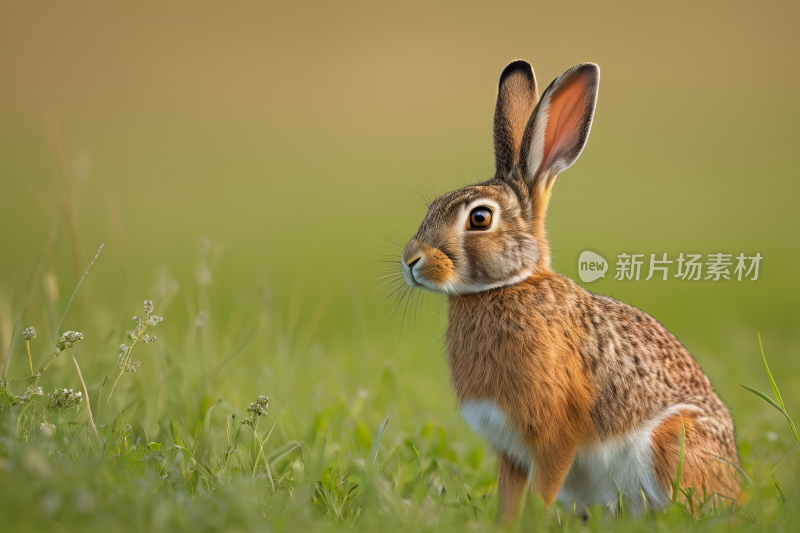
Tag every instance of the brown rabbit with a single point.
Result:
(582, 396)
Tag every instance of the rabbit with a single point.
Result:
(583, 397)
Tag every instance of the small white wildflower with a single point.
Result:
(29, 334)
(69, 339)
(64, 400)
(150, 320)
(29, 393)
(130, 366)
(256, 409)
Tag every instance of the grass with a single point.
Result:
(168, 444)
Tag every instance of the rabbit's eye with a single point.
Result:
(480, 218)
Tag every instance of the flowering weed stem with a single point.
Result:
(137, 334)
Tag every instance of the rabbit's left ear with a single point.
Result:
(516, 98)
(559, 126)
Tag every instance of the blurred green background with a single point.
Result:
(292, 135)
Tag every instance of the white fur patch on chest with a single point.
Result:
(489, 421)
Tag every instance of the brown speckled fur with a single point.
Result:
(582, 368)
(572, 371)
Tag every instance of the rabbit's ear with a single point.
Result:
(516, 99)
(559, 127)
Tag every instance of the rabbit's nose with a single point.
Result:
(414, 262)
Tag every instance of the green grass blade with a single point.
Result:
(769, 400)
(644, 504)
(769, 375)
(785, 457)
(78, 286)
(742, 472)
(449, 495)
(200, 424)
(25, 295)
(776, 391)
(261, 442)
(793, 428)
(10, 344)
(781, 494)
(374, 452)
(315, 473)
(284, 450)
(774, 404)
(676, 490)
(189, 455)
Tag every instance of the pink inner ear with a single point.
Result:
(567, 109)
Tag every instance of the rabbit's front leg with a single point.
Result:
(511, 486)
(552, 460)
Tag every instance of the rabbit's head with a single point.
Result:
(492, 234)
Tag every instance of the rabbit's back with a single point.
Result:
(639, 369)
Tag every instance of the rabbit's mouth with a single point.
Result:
(429, 268)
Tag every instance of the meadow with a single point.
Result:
(251, 173)
(357, 432)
